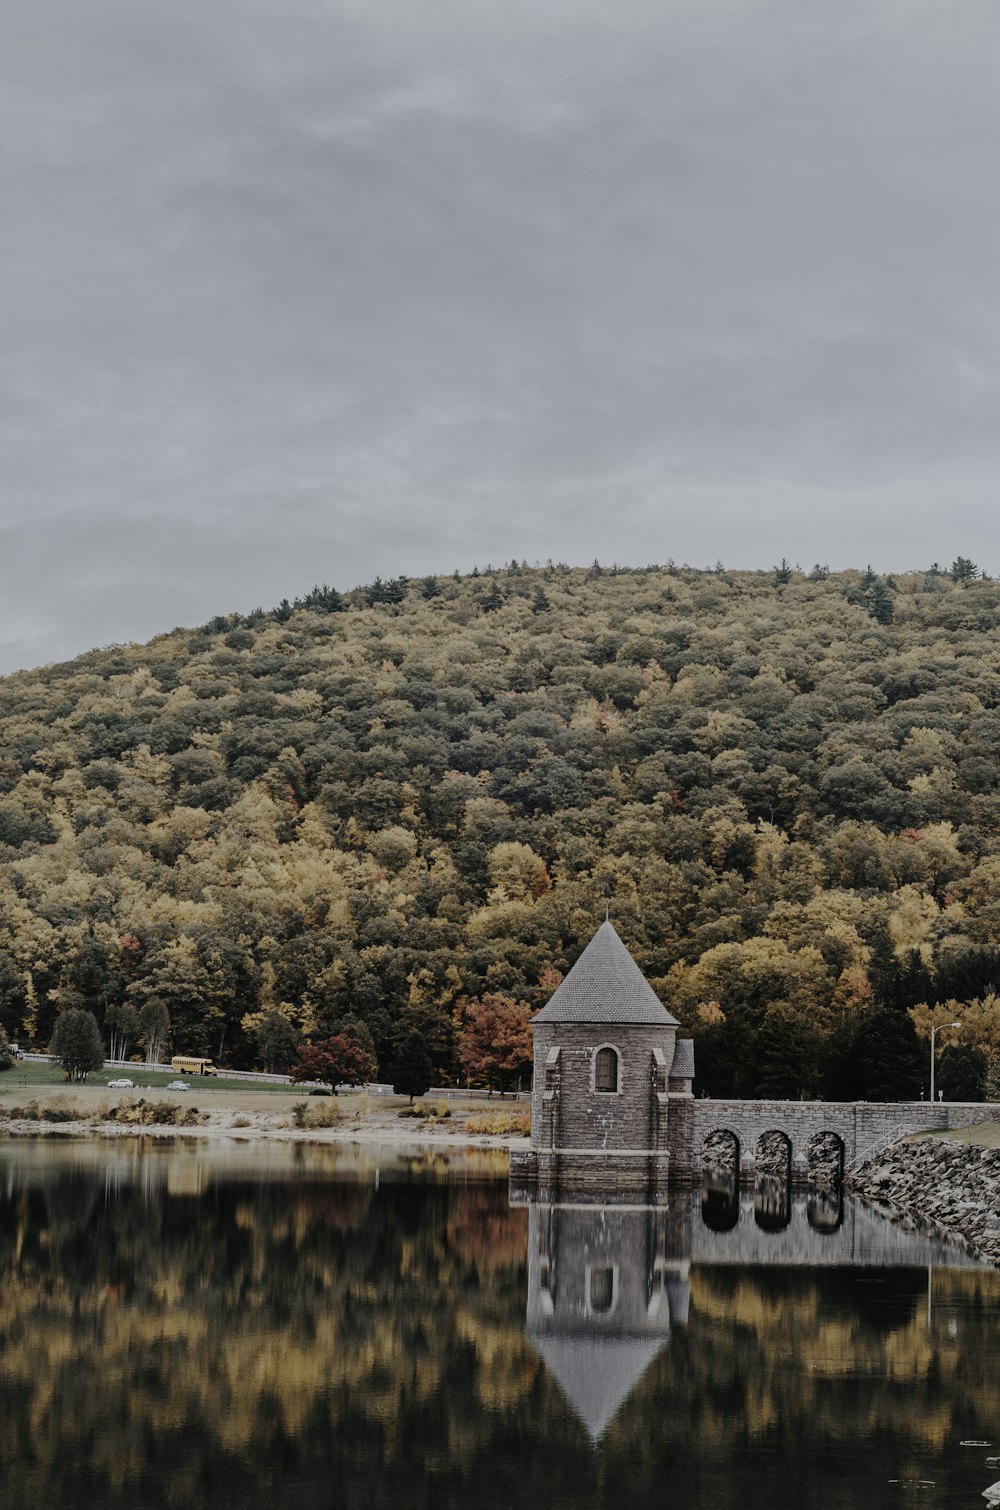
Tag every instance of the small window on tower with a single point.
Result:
(606, 1070)
(602, 1289)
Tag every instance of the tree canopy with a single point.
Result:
(380, 804)
(77, 1043)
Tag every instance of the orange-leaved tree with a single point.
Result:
(495, 1040)
(340, 1060)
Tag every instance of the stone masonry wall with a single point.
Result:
(588, 1119)
(859, 1125)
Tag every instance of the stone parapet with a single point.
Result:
(859, 1125)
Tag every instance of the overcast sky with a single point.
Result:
(311, 290)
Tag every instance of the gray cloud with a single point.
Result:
(324, 289)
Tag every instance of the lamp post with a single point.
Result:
(934, 1033)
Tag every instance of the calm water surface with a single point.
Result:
(250, 1328)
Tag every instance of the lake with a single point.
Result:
(298, 1326)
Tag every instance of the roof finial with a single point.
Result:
(607, 911)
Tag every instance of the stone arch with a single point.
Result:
(772, 1196)
(826, 1158)
(721, 1149)
(606, 1070)
(773, 1154)
(720, 1179)
(825, 1161)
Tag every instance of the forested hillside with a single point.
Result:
(382, 806)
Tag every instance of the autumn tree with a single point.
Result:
(29, 1023)
(77, 1043)
(338, 1060)
(495, 1040)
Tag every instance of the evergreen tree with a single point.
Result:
(492, 598)
(963, 570)
(881, 604)
(324, 600)
(782, 573)
(961, 1073)
(412, 1069)
(886, 1060)
(540, 602)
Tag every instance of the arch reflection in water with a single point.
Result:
(605, 1286)
(720, 1200)
(825, 1208)
(772, 1202)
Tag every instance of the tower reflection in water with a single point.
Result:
(605, 1286)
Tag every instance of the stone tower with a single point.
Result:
(612, 1084)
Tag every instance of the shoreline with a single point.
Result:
(228, 1127)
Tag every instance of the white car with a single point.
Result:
(121, 1085)
(178, 1085)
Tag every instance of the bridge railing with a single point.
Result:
(872, 1150)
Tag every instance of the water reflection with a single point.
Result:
(272, 1327)
(604, 1288)
(772, 1202)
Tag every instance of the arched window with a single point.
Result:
(602, 1289)
(606, 1070)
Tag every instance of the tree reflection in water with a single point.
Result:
(177, 1330)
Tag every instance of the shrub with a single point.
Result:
(53, 1111)
(304, 1115)
(497, 1123)
(323, 1116)
(142, 1113)
(427, 1113)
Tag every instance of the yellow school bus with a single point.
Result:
(185, 1066)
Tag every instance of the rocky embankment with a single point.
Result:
(930, 1180)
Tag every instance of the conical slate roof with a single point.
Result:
(606, 985)
(597, 1373)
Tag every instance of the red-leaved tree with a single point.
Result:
(340, 1060)
(495, 1040)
